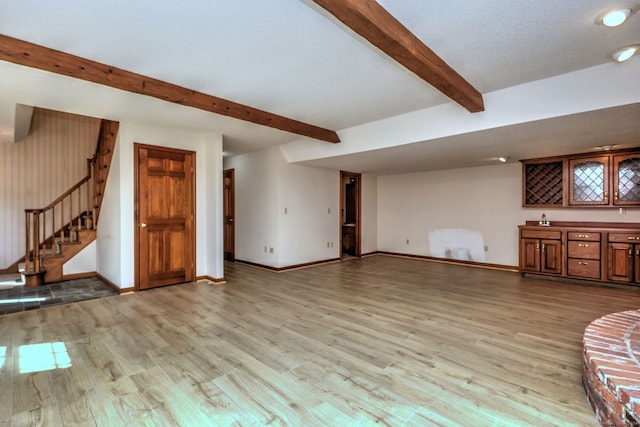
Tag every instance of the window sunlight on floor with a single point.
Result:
(43, 357)
(17, 300)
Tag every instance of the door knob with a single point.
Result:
(143, 225)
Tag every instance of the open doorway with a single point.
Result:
(229, 215)
(350, 216)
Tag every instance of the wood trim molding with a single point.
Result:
(290, 267)
(31, 55)
(371, 21)
(583, 224)
(216, 281)
(77, 276)
(113, 286)
(453, 261)
(13, 268)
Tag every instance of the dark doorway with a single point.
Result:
(229, 215)
(350, 195)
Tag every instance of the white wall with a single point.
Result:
(485, 199)
(108, 233)
(311, 197)
(83, 262)
(580, 91)
(115, 250)
(37, 170)
(369, 226)
(266, 185)
(256, 206)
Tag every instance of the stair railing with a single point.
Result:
(59, 221)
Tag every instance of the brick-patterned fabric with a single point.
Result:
(611, 369)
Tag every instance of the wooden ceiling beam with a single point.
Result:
(371, 21)
(35, 56)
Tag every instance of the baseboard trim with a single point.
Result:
(368, 254)
(13, 268)
(489, 266)
(216, 281)
(114, 286)
(78, 276)
(290, 267)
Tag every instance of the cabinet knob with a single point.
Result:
(615, 195)
(582, 263)
(543, 247)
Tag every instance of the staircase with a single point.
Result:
(59, 231)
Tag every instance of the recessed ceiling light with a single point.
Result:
(616, 17)
(625, 53)
(503, 159)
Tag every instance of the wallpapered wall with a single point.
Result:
(36, 170)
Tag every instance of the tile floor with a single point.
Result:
(14, 296)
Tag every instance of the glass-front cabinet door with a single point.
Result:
(626, 179)
(589, 181)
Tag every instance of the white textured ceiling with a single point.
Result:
(291, 58)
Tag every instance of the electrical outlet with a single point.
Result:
(329, 211)
(486, 248)
(285, 211)
(270, 250)
(622, 211)
(407, 241)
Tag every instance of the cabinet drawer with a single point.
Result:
(540, 234)
(584, 235)
(583, 268)
(624, 237)
(588, 250)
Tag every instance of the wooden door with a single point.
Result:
(620, 265)
(589, 181)
(551, 256)
(229, 214)
(636, 263)
(626, 180)
(530, 255)
(165, 207)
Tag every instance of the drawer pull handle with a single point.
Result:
(583, 245)
(582, 263)
(638, 252)
(537, 247)
(543, 247)
(583, 236)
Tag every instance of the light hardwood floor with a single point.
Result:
(380, 340)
